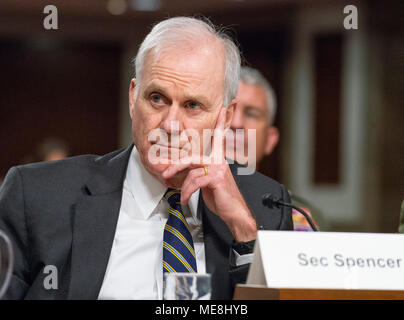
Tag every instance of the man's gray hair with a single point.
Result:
(176, 31)
(253, 77)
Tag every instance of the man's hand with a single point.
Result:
(219, 189)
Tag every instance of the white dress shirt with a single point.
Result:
(135, 267)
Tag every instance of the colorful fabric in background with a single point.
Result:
(316, 215)
(299, 221)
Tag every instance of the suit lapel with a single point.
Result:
(94, 225)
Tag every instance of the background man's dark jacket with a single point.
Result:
(65, 213)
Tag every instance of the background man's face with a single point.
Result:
(178, 84)
(251, 112)
(55, 155)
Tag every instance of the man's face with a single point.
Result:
(251, 112)
(179, 86)
(55, 155)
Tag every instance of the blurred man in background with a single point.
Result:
(52, 149)
(256, 109)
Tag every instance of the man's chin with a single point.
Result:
(157, 169)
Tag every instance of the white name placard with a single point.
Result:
(328, 260)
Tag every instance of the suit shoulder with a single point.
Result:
(254, 179)
(76, 168)
(253, 186)
(78, 163)
(59, 165)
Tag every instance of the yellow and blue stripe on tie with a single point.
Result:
(178, 246)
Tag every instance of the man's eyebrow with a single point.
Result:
(251, 107)
(198, 98)
(155, 87)
(188, 97)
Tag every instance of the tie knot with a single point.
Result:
(173, 197)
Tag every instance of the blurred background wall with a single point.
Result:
(340, 92)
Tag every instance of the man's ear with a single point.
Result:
(229, 113)
(132, 87)
(272, 139)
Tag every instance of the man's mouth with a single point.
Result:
(183, 147)
(164, 145)
(167, 146)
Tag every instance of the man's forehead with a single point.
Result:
(252, 94)
(163, 70)
(198, 63)
(194, 70)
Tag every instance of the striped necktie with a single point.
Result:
(178, 246)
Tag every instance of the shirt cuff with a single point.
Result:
(241, 253)
(241, 259)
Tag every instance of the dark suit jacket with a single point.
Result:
(64, 213)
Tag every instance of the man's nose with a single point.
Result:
(172, 120)
(237, 121)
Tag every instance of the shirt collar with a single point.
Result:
(147, 190)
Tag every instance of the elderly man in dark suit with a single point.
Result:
(111, 226)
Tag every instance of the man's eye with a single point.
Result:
(192, 105)
(251, 115)
(156, 98)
